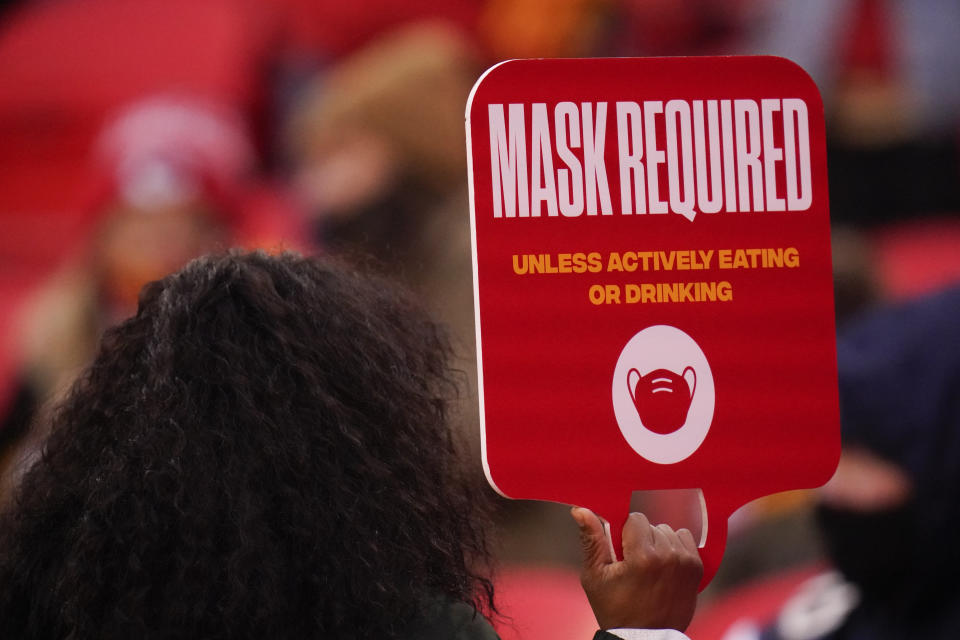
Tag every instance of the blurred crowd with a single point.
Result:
(138, 134)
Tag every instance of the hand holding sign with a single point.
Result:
(653, 587)
(653, 282)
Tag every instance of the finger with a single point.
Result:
(673, 538)
(686, 539)
(662, 537)
(593, 538)
(637, 534)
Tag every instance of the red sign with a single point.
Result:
(653, 282)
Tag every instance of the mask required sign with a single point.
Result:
(653, 282)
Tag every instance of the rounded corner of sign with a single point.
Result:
(826, 470)
(483, 78)
(490, 480)
(833, 460)
(487, 471)
(794, 67)
(782, 60)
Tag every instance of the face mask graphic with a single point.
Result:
(662, 397)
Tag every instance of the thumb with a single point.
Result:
(597, 549)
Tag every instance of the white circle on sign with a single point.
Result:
(663, 360)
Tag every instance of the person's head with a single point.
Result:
(384, 127)
(167, 178)
(262, 451)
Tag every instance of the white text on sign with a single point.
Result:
(717, 155)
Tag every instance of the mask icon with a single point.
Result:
(662, 398)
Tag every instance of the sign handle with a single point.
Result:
(713, 540)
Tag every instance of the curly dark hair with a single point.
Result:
(262, 451)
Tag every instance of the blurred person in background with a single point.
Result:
(172, 181)
(376, 141)
(263, 451)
